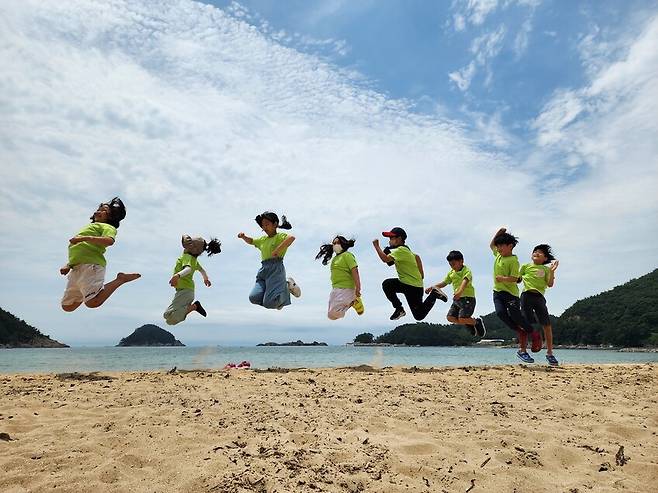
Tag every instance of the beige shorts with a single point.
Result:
(177, 311)
(340, 300)
(84, 282)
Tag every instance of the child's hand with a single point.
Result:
(554, 265)
(207, 282)
(65, 270)
(375, 242)
(357, 293)
(428, 290)
(275, 253)
(174, 280)
(241, 235)
(456, 296)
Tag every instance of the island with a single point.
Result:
(293, 343)
(15, 333)
(150, 335)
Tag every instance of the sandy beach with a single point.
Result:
(470, 429)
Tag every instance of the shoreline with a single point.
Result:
(358, 429)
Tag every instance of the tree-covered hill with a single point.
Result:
(15, 333)
(150, 335)
(627, 315)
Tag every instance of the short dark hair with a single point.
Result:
(546, 250)
(505, 239)
(454, 255)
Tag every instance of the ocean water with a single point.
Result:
(164, 358)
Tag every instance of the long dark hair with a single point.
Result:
(546, 250)
(271, 216)
(213, 247)
(327, 250)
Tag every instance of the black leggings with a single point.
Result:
(533, 306)
(414, 295)
(508, 309)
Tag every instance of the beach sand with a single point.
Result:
(476, 429)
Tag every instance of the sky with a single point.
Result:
(450, 119)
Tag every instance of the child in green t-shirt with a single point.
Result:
(86, 265)
(506, 293)
(409, 282)
(345, 280)
(272, 289)
(536, 277)
(183, 278)
(463, 304)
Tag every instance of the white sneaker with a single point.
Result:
(440, 294)
(295, 290)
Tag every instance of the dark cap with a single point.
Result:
(396, 232)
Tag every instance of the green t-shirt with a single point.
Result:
(535, 277)
(341, 270)
(455, 277)
(89, 253)
(506, 266)
(185, 260)
(405, 264)
(266, 244)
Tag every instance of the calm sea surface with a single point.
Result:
(158, 358)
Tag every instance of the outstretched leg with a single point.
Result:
(110, 288)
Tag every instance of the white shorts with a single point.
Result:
(84, 282)
(340, 300)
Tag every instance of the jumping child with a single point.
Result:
(86, 265)
(410, 277)
(506, 293)
(536, 277)
(463, 299)
(183, 278)
(272, 289)
(345, 280)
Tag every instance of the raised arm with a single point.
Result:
(248, 240)
(384, 258)
(500, 231)
(551, 274)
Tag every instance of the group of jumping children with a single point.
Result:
(86, 277)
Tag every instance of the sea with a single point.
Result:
(106, 359)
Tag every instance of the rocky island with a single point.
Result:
(293, 343)
(15, 333)
(150, 335)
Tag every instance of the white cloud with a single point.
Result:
(484, 48)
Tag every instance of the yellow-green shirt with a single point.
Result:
(267, 244)
(185, 260)
(341, 270)
(535, 277)
(90, 253)
(506, 266)
(455, 277)
(406, 266)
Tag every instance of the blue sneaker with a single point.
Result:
(551, 360)
(525, 357)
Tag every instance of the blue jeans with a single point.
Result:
(271, 288)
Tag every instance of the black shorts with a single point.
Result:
(462, 308)
(533, 306)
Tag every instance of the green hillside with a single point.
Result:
(627, 316)
(14, 332)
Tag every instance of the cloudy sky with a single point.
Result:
(448, 119)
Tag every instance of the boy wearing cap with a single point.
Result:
(86, 265)
(410, 277)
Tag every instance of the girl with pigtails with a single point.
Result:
(272, 289)
(345, 280)
(188, 263)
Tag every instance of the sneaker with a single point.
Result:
(200, 309)
(295, 290)
(536, 341)
(438, 292)
(358, 306)
(551, 360)
(398, 313)
(525, 357)
(480, 329)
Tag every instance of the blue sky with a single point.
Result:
(450, 119)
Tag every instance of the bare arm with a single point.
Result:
(508, 279)
(248, 240)
(96, 240)
(384, 258)
(551, 274)
(419, 263)
(283, 245)
(357, 281)
(206, 281)
(500, 231)
(439, 285)
(458, 294)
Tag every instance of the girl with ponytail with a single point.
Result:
(183, 302)
(345, 280)
(272, 289)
